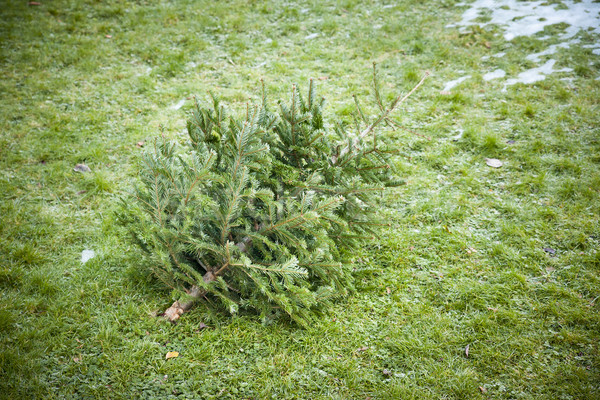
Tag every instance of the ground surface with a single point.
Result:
(486, 286)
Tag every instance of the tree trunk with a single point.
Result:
(177, 309)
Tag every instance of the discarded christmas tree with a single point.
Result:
(260, 212)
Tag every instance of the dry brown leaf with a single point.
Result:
(482, 389)
(172, 354)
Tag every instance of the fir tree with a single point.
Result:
(259, 212)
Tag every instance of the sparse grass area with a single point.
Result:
(464, 264)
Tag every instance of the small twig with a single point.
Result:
(399, 100)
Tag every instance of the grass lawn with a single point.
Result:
(486, 286)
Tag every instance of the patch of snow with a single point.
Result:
(536, 57)
(499, 73)
(535, 74)
(87, 255)
(459, 135)
(178, 105)
(452, 84)
(595, 47)
(520, 18)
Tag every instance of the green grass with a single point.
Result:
(464, 264)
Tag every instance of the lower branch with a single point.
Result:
(178, 308)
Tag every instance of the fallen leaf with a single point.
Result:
(108, 36)
(140, 143)
(172, 354)
(492, 309)
(77, 359)
(445, 92)
(386, 372)
(493, 162)
(34, 3)
(550, 250)
(82, 168)
(202, 325)
(363, 349)
(323, 78)
(487, 45)
(482, 389)
(467, 351)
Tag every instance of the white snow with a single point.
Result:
(87, 255)
(595, 47)
(526, 18)
(536, 57)
(451, 84)
(499, 73)
(178, 105)
(535, 74)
